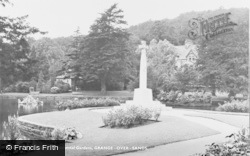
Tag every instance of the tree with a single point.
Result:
(72, 65)
(223, 61)
(142, 31)
(105, 48)
(186, 76)
(14, 49)
(161, 64)
(163, 73)
(49, 55)
(133, 64)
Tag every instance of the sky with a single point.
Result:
(60, 18)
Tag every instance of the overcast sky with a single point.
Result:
(62, 17)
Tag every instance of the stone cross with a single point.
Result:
(143, 65)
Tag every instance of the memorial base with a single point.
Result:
(144, 97)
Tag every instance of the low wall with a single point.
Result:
(32, 130)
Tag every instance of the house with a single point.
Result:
(186, 54)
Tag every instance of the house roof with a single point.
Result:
(183, 51)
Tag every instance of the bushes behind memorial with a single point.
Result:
(234, 106)
(82, 103)
(187, 98)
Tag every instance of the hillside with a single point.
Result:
(175, 30)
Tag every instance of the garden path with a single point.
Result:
(189, 147)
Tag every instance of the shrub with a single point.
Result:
(82, 103)
(234, 106)
(156, 112)
(63, 87)
(70, 134)
(11, 88)
(22, 87)
(192, 97)
(10, 129)
(172, 96)
(200, 97)
(207, 97)
(236, 146)
(130, 115)
(195, 97)
(162, 96)
(64, 134)
(54, 90)
(183, 99)
(168, 97)
(156, 92)
(58, 134)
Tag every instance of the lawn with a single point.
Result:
(113, 141)
(240, 120)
